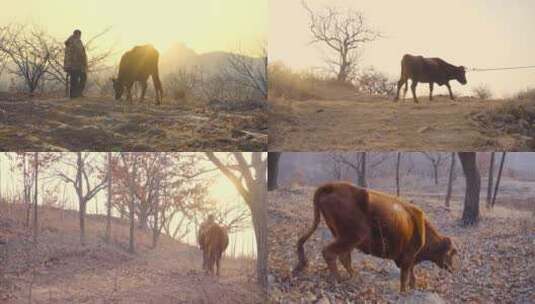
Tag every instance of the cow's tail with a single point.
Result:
(303, 262)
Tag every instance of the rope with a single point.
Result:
(501, 69)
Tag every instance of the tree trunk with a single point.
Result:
(131, 247)
(273, 170)
(435, 172)
(491, 179)
(473, 188)
(498, 178)
(27, 186)
(259, 218)
(450, 180)
(107, 236)
(362, 182)
(81, 213)
(35, 196)
(398, 161)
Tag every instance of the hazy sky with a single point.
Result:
(221, 190)
(477, 33)
(204, 25)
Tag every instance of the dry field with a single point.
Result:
(100, 124)
(373, 123)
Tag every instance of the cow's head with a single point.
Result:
(461, 75)
(118, 88)
(448, 257)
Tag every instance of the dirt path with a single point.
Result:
(319, 125)
(98, 124)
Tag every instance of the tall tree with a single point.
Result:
(81, 183)
(450, 180)
(436, 160)
(35, 195)
(249, 178)
(490, 179)
(107, 236)
(473, 188)
(499, 177)
(344, 32)
(273, 170)
(398, 162)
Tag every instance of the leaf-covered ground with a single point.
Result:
(497, 258)
(59, 270)
(103, 124)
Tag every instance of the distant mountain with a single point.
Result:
(180, 56)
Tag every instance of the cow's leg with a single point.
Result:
(157, 88)
(400, 84)
(449, 89)
(218, 263)
(413, 89)
(405, 271)
(331, 252)
(430, 91)
(345, 259)
(406, 88)
(143, 90)
(129, 92)
(412, 278)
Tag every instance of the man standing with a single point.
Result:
(75, 64)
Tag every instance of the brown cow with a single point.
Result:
(213, 240)
(136, 66)
(428, 70)
(376, 224)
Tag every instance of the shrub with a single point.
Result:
(482, 92)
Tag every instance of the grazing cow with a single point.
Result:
(213, 240)
(136, 66)
(376, 224)
(428, 70)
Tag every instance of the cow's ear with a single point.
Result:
(463, 68)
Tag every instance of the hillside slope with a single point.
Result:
(59, 270)
(496, 259)
(369, 123)
(102, 124)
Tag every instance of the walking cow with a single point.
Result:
(428, 70)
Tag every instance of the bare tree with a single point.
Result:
(249, 178)
(436, 160)
(35, 195)
(398, 162)
(473, 188)
(343, 31)
(498, 178)
(450, 180)
(130, 162)
(250, 72)
(273, 170)
(30, 51)
(360, 162)
(107, 235)
(490, 179)
(81, 183)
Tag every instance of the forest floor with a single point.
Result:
(496, 257)
(59, 270)
(373, 123)
(103, 124)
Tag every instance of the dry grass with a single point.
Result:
(374, 123)
(102, 124)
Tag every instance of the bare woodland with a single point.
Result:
(154, 204)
